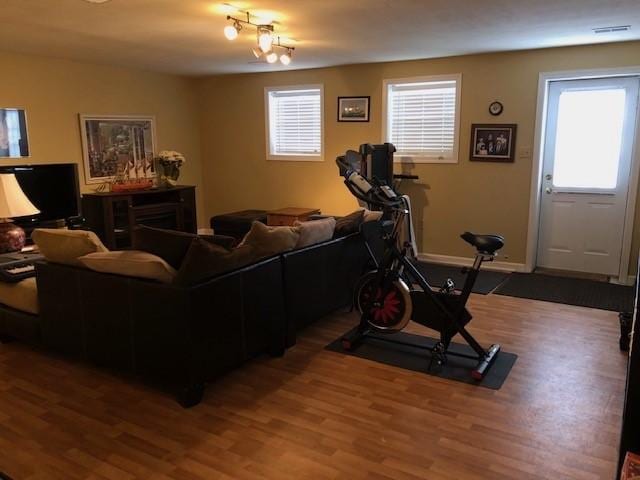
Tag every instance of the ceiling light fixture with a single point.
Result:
(266, 40)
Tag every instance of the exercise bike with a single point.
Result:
(396, 292)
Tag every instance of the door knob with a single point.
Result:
(548, 190)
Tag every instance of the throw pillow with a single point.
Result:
(206, 260)
(315, 231)
(349, 224)
(267, 241)
(130, 263)
(65, 246)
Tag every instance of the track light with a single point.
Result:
(285, 58)
(231, 31)
(272, 57)
(268, 43)
(265, 40)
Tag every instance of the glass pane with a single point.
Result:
(589, 138)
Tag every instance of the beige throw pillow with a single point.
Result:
(65, 246)
(371, 215)
(130, 263)
(268, 241)
(315, 231)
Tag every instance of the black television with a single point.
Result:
(53, 188)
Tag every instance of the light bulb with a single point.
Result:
(272, 57)
(265, 41)
(285, 58)
(231, 32)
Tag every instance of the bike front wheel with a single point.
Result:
(386, 305)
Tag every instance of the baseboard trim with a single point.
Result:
(467, 262)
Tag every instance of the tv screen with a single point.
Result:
(53, 189)
(13, 133)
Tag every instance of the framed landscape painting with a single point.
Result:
(118, 146)
(493, 142)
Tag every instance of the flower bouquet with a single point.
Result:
(168, 164)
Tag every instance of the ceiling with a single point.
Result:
(185, 36)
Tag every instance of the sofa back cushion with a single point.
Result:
(130, 263)
(66, 246)
(349, 224)
(169, 245)
(268, 241)
(205, 260)
(315, 231)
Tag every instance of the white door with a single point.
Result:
(590, 130)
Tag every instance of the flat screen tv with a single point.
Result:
(54, 190)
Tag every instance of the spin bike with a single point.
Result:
(396, 292)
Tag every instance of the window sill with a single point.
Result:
(295, 158)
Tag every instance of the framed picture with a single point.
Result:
(493, 142)
(353, 109)
(14, 142)
(118, 146)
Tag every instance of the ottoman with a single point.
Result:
(237, 224)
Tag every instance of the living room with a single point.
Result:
(249, 336)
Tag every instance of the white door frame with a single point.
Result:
(537, 163)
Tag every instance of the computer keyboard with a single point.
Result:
(17, 266)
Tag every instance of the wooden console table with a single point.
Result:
(113, 215)
(288, 216)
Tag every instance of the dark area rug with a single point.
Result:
(417, 359)
(570, 291)
(437, 274)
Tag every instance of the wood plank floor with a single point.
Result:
(315, 414)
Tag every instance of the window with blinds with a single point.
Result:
(294, 123)
(422, 118)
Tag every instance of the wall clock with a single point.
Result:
(495, 109)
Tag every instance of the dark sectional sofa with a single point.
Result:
(183, 337)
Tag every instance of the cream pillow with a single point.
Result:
(315, 231)
(267, 241)
(371, 215)
(65, 246)
(130, 263)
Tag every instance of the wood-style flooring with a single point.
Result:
(315, 414)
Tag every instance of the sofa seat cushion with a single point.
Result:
(21, 296)
(59, 245)
(205, 260)
(315, 231)
(130, 263)
(268, 241)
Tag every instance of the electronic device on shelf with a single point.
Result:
(15, 267)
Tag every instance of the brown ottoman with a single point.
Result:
(237, 224)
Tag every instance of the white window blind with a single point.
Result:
(295, 123)
(422, 118)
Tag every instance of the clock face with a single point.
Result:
(495, 108)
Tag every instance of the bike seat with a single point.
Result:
(488, 244)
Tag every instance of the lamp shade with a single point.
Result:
(13, 201)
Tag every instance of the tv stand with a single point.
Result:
(114, 215)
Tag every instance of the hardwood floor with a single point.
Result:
(315, 414)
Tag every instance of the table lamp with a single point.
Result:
(13, 203)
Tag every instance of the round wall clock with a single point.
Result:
(495, 108)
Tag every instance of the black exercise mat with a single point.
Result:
(417, 359)
(570, 291)
(437, 274)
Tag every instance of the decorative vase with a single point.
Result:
(169, 172)
(12, 237)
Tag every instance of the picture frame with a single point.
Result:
(354, 109)
(493, 142)
(118, 146)
(14, 137)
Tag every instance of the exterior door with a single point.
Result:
(588, 146)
